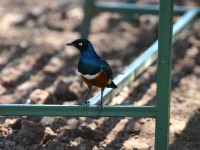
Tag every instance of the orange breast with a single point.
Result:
(100, 81)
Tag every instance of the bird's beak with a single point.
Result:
(70, 44)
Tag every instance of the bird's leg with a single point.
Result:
(85, 102)
(100, 105)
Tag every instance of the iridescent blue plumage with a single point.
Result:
(90, 63)
(95, 71)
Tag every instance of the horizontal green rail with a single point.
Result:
(75, 110)
(136, 8)
(143, 61)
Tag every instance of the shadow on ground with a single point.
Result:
(189, 138)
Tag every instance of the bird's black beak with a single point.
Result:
(70, 44)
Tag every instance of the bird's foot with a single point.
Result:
(100, 106)
(85, 103)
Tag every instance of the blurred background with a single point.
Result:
(37, 68)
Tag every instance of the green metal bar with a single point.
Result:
(129, 74)
(90, 8)
(143, 61)
(136, 8)
(88, 14)
(164, 74)
(122, 80)
(75, 110)
(128, 16)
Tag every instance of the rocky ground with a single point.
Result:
(37, 68)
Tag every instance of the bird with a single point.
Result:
(94, 70)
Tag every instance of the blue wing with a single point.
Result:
(93, 66)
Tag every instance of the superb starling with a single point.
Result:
(94, 70)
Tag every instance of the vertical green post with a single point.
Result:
(128, 16)
(164, 74)
(88, 12)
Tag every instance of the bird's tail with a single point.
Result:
(111, 85)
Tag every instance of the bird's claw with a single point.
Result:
(100, 106)
(85, 103)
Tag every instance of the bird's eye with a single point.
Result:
(80, 44)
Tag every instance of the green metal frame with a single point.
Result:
(128, 17)
(164, 74)
(160, 49)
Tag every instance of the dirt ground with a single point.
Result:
(37, 68)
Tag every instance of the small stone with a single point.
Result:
(10, 122)
(2, 90)
(40, 97)
(29, 133)
(134, 128)
(67, 91)
(197, 70)
(142, 121)
(49, 134)
(9, 77)
(95, 148)
(54, 65)
(136, 131)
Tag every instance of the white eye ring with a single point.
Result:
(80, 44)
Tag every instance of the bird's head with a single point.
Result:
(80, 44)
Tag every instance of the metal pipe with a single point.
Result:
(136, 8)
